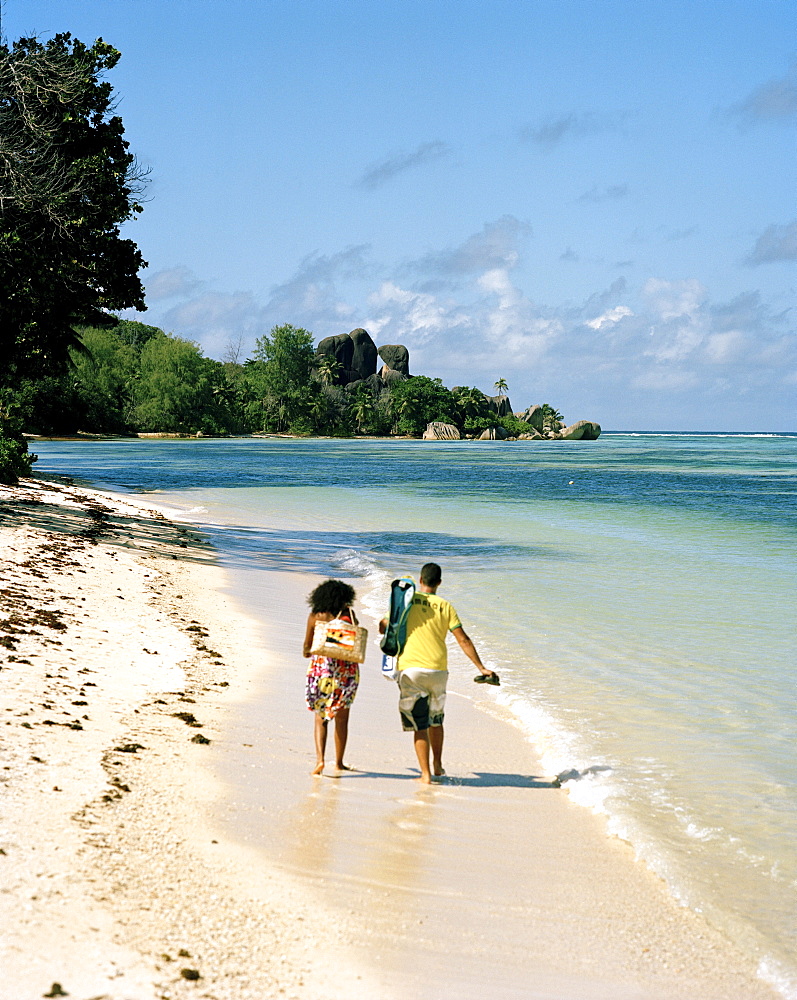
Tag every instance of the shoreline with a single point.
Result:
(141, 854)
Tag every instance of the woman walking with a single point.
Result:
(331, 684)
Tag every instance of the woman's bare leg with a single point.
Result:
(341, 736)
(320, 733)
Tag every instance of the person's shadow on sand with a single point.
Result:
(482, 779)
(475, 780)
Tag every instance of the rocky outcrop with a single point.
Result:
(438, 431)
(363, 362)
(582, 430)
(390, 375)
(532, 416)
(357, 358)
(373, 383)
(396, 357)
(341, 349)
(493, 434)
(500, 405)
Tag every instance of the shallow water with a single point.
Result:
(637, 594)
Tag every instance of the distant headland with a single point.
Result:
(346, 365)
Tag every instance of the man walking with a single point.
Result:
(423, 667)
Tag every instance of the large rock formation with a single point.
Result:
(438, 431)
(532, 416)
(354, 352)
(582, 430)
(396, 357)
(341, 349)
(363, 362)
(500, 404)
(373, 383)
(493, 434)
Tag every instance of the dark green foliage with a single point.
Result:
(174, 388)
(551, 418)
(514, 425)
(286, 356)
(15, 460)
(417, 401)
(473, 410)
(67, 183)
(279, 378)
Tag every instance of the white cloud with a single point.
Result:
(674, 299)
(725, 348)
(610, 317)
(174, 282)
(214, 319)
(410, 317)
(312, 296)
(497, 245)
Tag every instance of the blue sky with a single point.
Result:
(592, 199)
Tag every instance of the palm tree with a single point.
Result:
(363, 410)
(501, 386)
(328, 368)
(551, 418)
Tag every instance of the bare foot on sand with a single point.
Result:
(343, 767)
(318, 769)
(439, 772)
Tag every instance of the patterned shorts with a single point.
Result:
(422, 697)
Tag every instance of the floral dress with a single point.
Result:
(331, 684)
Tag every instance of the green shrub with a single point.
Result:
(15, 460)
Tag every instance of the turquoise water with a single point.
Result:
(638, 596)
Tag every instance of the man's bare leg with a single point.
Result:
(320, 733)
(341, 735)
(436, 743)
(421, 741)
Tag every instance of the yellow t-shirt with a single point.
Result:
(430, 620)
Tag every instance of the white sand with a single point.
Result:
(120, 869)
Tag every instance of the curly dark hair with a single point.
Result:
(331, 597)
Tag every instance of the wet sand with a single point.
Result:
(135, 854)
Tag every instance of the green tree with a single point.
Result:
(105, 372)
(551, 418)
(327, 369)
(174, 389)
(67, 183)
(280, 375)
(417, 401)
(472, 407)
(501, 387)
(287, 356)
(363, 409)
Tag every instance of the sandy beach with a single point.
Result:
(161, 837)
